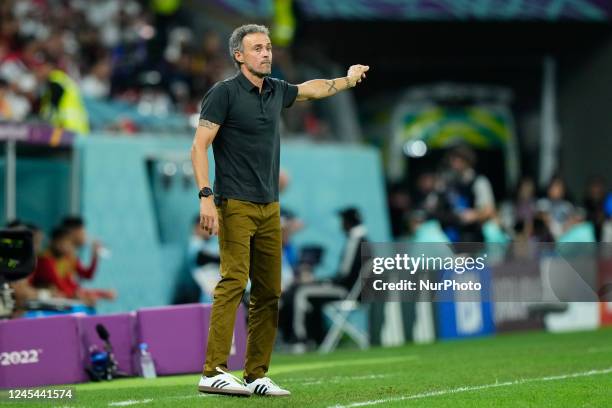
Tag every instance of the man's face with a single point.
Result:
(79, 237)
(458, 163)
(42, 72)
(257, 54)
(556, 191)
(346, 226)
(63, 246)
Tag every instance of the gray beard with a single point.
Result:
(257, 73)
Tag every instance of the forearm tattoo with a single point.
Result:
(332, 86)
(348, 82)
(207, 124)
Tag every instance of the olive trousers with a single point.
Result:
(250, 247)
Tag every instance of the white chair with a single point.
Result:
(339, 311)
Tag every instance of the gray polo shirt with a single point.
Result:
(247, 145)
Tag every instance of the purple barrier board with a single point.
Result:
(35, 352)
(35, 133)
(177, 337)
(122, 336)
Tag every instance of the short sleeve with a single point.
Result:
(289, 91)
(483, 193)
(215, 104)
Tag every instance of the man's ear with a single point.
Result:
(239, 57)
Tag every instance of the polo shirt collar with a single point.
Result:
(249, 86)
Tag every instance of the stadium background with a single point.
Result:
(539, 67)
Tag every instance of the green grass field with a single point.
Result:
(524, 370)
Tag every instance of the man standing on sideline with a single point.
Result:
(240, 117)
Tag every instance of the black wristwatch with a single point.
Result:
(205, 192)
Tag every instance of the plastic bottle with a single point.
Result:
(147, 367)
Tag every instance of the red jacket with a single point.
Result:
(61, 273)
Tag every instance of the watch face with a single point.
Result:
(205, 192)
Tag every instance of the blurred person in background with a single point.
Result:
(78, 236)
(96, 83)
(290, 269)
(540, 229)
(594, 200)
(244, 207)
(55, 271)
(290, 225)
(187, 289)
(525, 201)
(18, 83)
(310, 298)
(517, 214)
(6, 112)
(556, 208)
(399, 202)
(469, 195)
(606, 230)
(61, 102)
(430, 201)
(203, 254)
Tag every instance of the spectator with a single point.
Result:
(78, 238)
(290, 225)
(203, 257)
(606, 230)
(309, 299)
(556, 209)
(594, 204)
(56, 271)
(469, 196)
(14, 106)
(6, 113)
(61, 102)
(96, 84)
(426, 197)
(518, 213)
(525, 201)
(399, 205)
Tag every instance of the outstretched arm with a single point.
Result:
(322, 88)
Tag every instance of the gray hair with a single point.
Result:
(235, 41)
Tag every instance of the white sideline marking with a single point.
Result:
(475, 388)
(129, 402)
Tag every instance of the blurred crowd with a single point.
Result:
(55, 284)
(463, 203)
(56, 53)
(137, 51)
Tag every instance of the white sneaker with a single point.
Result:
(223, 383)
(265, 386)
